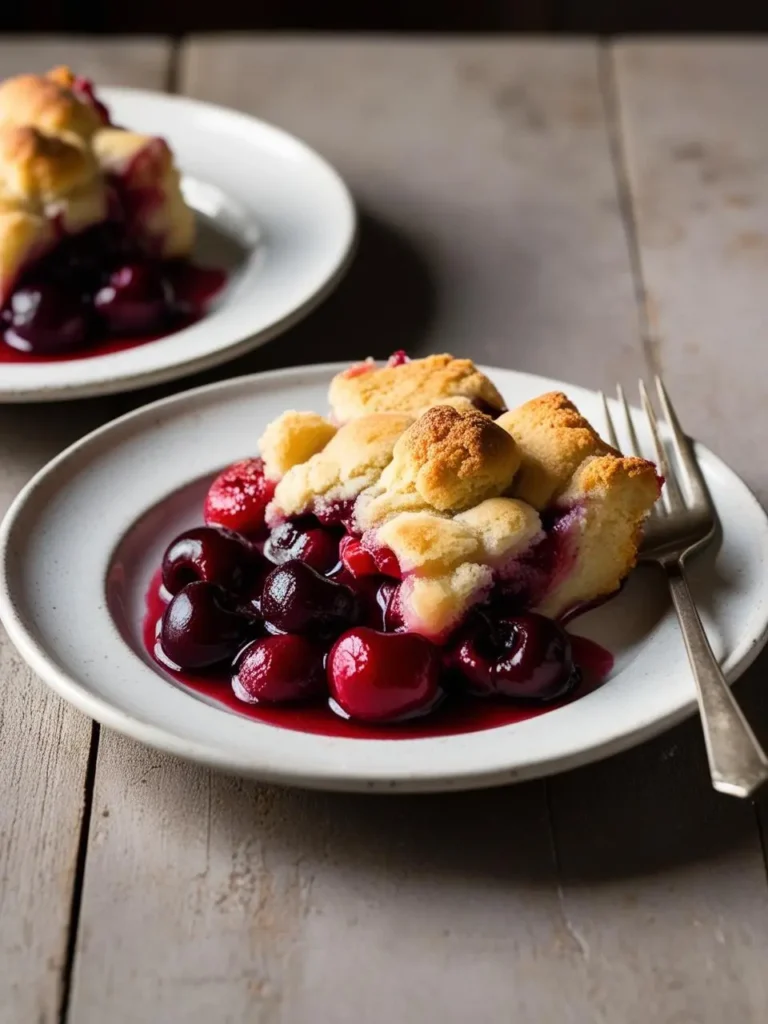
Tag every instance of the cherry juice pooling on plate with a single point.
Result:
(454, 716)
(186, 289)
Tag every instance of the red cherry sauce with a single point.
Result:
(451, 718)
(194, 288)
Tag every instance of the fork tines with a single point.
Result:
(688, 477)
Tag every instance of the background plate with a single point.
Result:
(270, 210)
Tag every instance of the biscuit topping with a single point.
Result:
(535, 502)
(64, 170)
(453, 460)
(411, 387)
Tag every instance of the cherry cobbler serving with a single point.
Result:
(419, 548)
(95, 234)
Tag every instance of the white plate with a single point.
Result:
(100, 499)
(270, 210)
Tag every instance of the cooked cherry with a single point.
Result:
(136, 299)
(525, 657)
(279, 670)
(386, 562)
(362, 558)
(250, 602)
(239, 496)
(77, 263)
(383, 677)
(297, 599)
(46, 318)
(399, 358)
(201, 627)
(356, 559)
(209, 553)
(377, 596)
(336, 513)
(365, 589)
(313, 545)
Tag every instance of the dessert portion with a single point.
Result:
(93, 224)
(420, 544)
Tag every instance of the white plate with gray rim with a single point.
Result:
(270, 211)
(106, 494)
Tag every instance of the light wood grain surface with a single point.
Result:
(44, 744)
(592, 213)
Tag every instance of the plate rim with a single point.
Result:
(19, 395)
(213, 755)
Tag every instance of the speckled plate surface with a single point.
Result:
(270, 211)
(107, 495)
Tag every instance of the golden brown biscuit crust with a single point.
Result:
(351, 461)
(47, 102)
(56, 155)
(613, 496)
(48, 184)
(455, 496)
(36, 168)
(410, 387)
(453, 460)
(427, 544)
(293, 438)
(554, 439)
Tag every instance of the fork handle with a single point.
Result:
(737, 762)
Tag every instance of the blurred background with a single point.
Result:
(548, 16)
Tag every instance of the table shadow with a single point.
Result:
(386, 301)
(31, 434)
(648, 810)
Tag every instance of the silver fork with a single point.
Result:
(682, 522)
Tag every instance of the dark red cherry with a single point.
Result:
(46, 318)
(525, 657)
(336, 513)
(386, 562)
(251, 600)
(355, 559)
(279, 670)
(383, 677)
(296, 599)
(209, 553)
(77, 263)
(201, 627)
(137, 299)
(239, 496)
(313, 545)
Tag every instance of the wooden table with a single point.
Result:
(586, 211)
